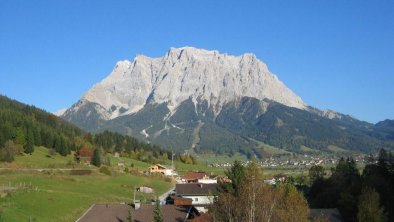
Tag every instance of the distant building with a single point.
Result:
(158, 168)
(145, 189)
(223, 179)
(197, 177)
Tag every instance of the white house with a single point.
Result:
(202, 195)
(207, 181)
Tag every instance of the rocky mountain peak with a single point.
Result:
(185, 73)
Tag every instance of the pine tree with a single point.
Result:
(237, 175)
(29, 147)
(63, 146)
(20, 137)
(315, 173)
(37, 136)
(96, 159)
(157, 214)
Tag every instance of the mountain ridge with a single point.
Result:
(194, 99)
(183, 73)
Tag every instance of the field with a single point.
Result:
(219, 159)
(40, 159)
(54, 195)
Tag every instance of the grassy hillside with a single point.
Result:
(41, 158)
(27, 126)
(61, 197)
(55, 195)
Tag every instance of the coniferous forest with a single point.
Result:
(22, 127)
(366, 196)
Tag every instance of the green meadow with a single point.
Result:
(62, 197)
(49, 193)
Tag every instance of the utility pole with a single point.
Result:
(134, 196)
(172, 160)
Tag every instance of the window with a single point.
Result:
(196, 199)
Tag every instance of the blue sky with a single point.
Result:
(334, 54)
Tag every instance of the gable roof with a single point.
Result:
(120, 212)
(106, 213)
(170, 213)
(162, 166)
(196, 189)
(194, 175)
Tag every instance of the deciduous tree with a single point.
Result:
(369, 208)
(7, 152)
(257, 201)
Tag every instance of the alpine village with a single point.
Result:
(200, 133)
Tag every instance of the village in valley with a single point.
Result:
(188, 200)
(194, 192)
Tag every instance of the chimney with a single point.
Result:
(137, 205)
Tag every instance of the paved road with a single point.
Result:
(163, 197)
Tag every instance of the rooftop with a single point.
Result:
(120, 212)
(106, 213)
(196, 189)
(194, 175)
(170, 213)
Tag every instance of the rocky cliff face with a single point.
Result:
(182, 74)
(199, 100)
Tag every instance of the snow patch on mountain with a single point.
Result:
(331, 114)
(60, 112)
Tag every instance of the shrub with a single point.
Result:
(52, 152)
(105, 170)
(7, 152)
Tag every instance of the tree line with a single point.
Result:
(23, 127)
(27, 126)
(368, 196)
